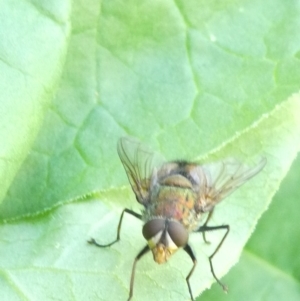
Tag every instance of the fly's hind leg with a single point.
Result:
(204, 229)
(94, 242)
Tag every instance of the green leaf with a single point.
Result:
(195, 80)
(32, 49)
(53, 251)
(179, 73)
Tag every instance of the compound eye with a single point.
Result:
(153, 227)
(178, 233)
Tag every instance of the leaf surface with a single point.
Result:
(193, 80)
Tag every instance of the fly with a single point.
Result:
(176, 195)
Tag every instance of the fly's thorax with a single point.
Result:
(164, 237)
(183, 173)
(176, 180)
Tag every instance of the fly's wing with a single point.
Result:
(139, 164)
(224, 177)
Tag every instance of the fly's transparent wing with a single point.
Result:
(225, 177)
(139, 163)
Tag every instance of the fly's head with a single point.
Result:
(164, 237)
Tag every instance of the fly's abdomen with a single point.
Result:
(174, 203)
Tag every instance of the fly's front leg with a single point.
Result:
(94, 242)
(205, 228)
(137, 258)
(189, 250)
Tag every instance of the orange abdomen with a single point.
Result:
(174, 203)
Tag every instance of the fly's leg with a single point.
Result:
(205, 228)
(189, 250)
(137, 258)
(94, 242)
(140, 254)
(210, 213)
